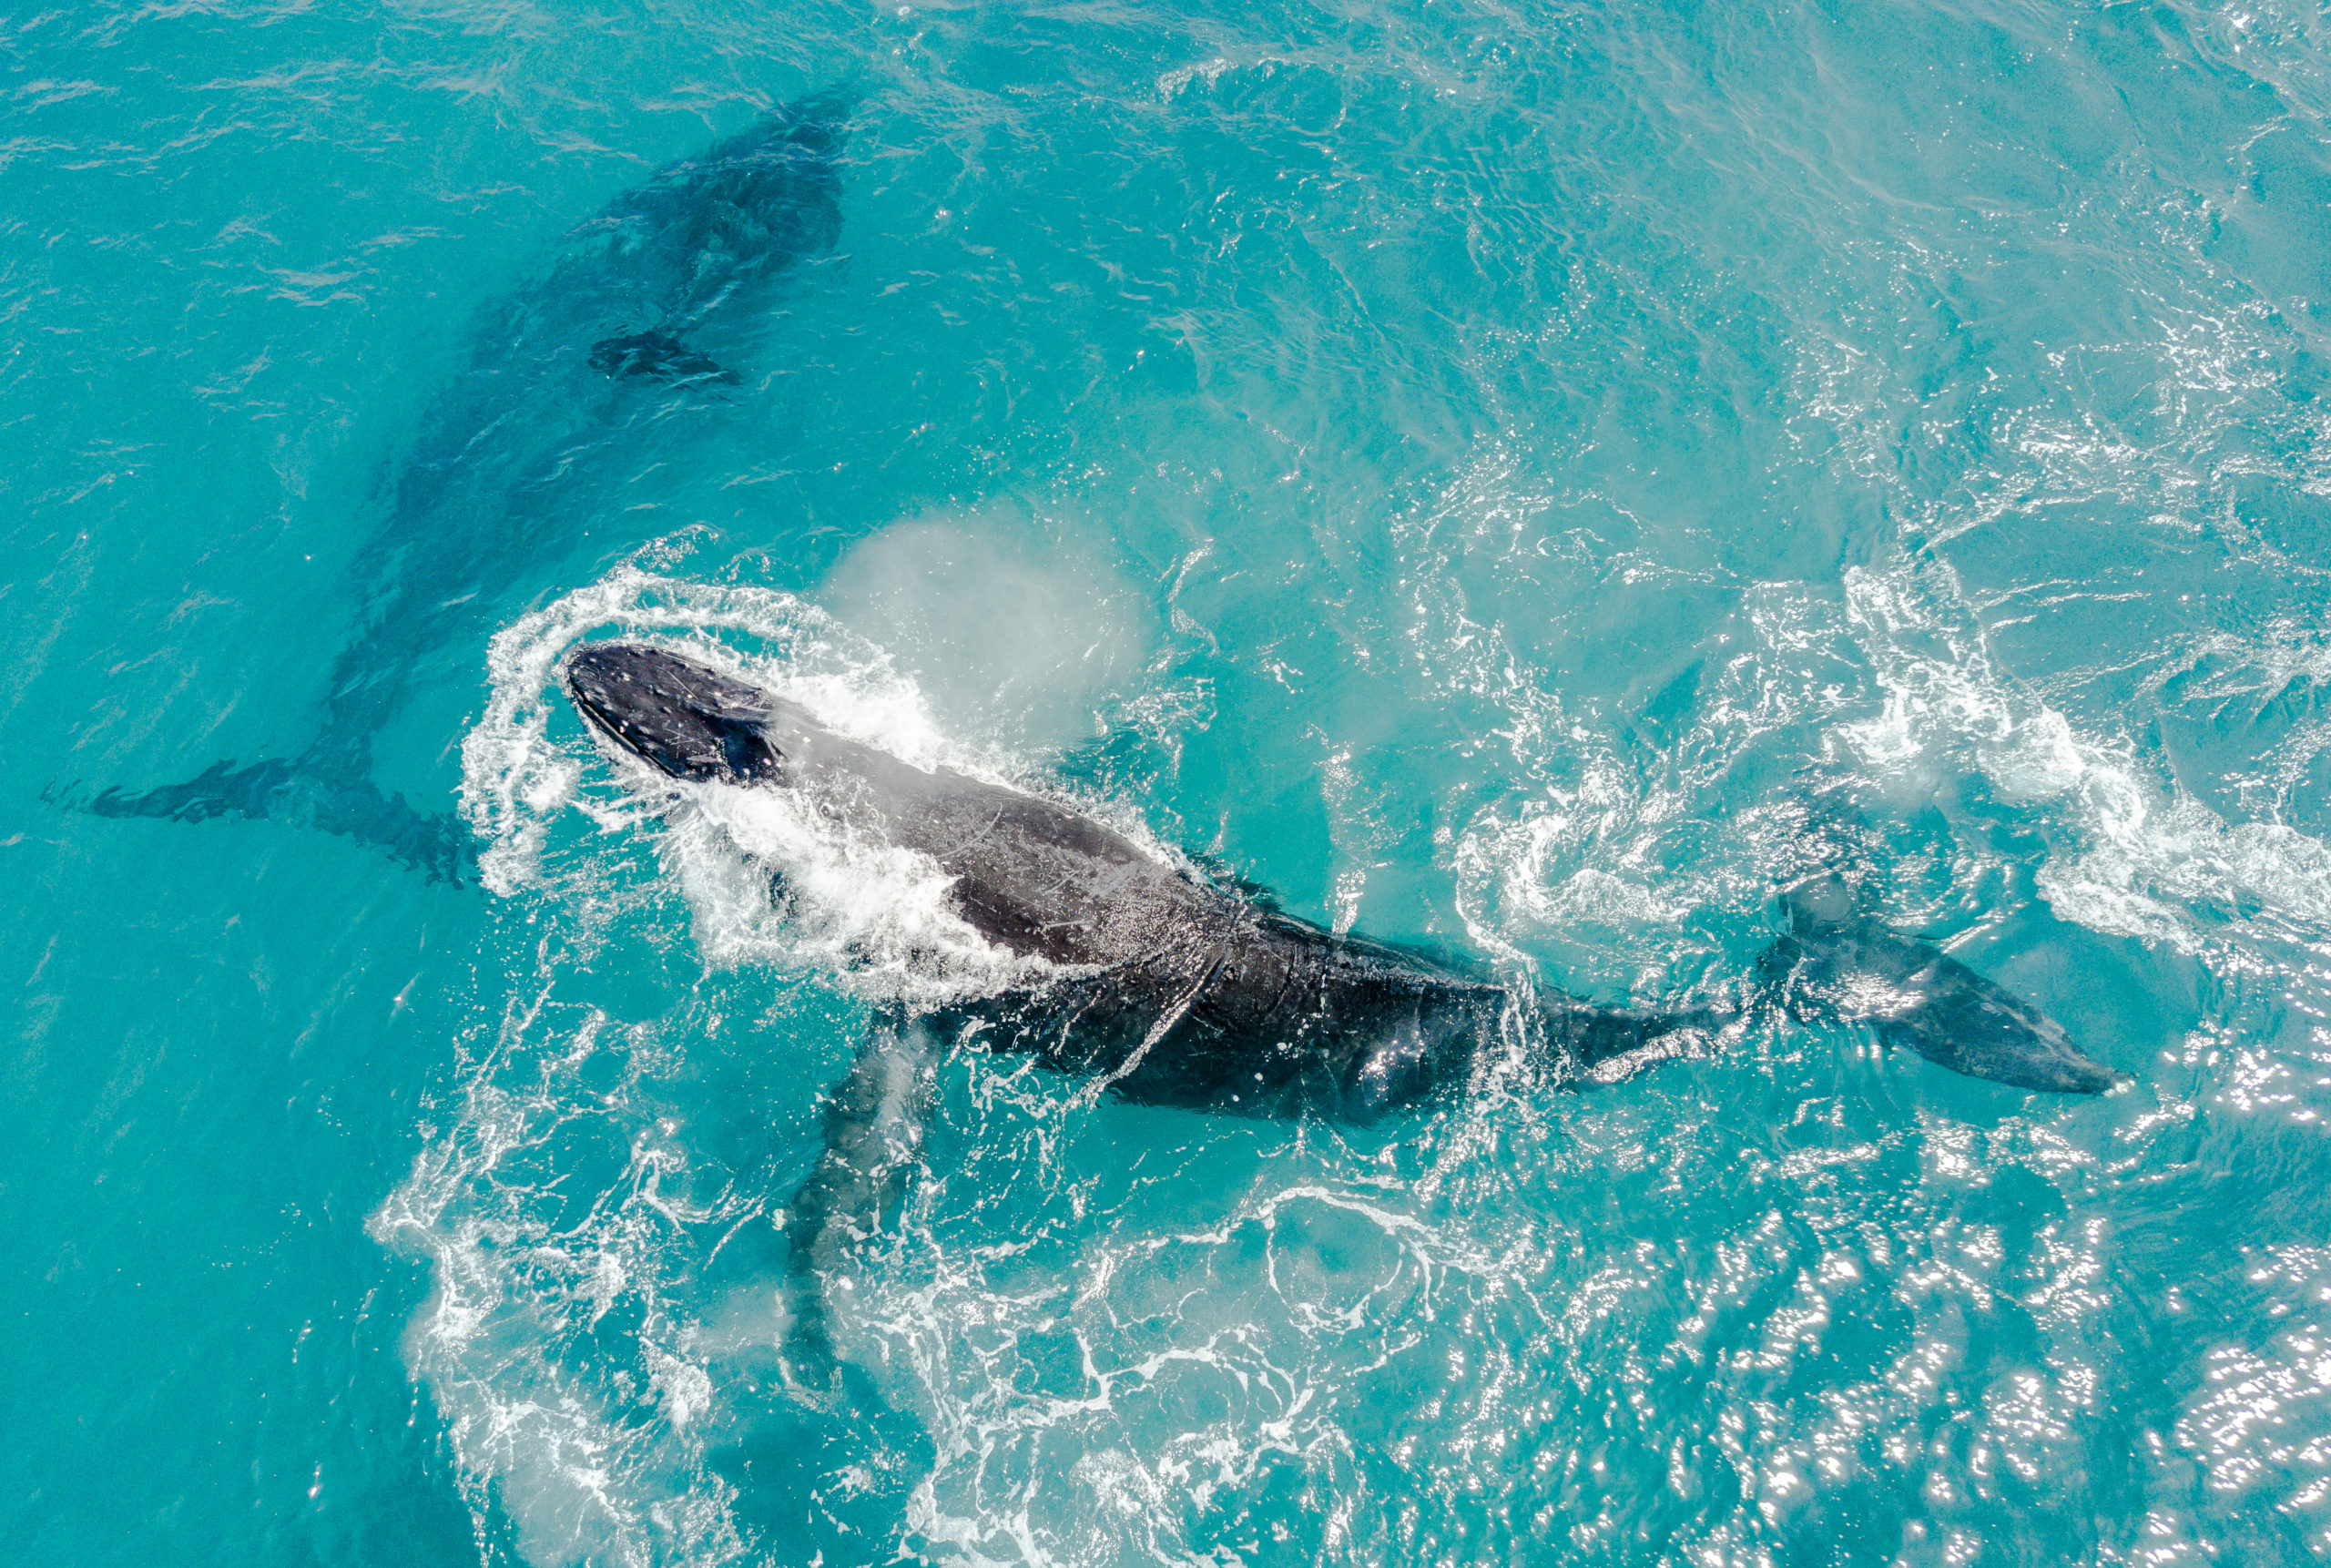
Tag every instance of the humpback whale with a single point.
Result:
(1158, 986)
(625, 318)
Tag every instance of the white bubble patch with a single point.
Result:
(2151, 852)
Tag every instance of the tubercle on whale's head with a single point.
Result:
(684, 719)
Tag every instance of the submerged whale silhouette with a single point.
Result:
(625, 308)
(1168, 990)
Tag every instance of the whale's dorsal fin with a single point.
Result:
(660, 356)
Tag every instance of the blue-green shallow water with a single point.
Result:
(1475, 472)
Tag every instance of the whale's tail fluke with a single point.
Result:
(299, 792)
(1840, 961)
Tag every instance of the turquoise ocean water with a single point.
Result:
(1478, 471)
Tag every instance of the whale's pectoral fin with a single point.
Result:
(660, 356)
(286, 791)
(1841, 963)
(874, 1121)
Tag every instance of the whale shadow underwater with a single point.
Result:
(614, 329)
(1158, 987)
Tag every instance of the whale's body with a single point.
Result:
(1158, 987)
(638, 310)
(1164, 987)
(1173, 990)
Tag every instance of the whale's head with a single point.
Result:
(684, 719)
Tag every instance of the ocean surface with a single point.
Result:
(1501, 478)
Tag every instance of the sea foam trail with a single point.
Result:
(599, 1375)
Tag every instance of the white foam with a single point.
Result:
(772, 880)
(1903, 679)
(541, 1403)
(1567, 867)
(2150, 852)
